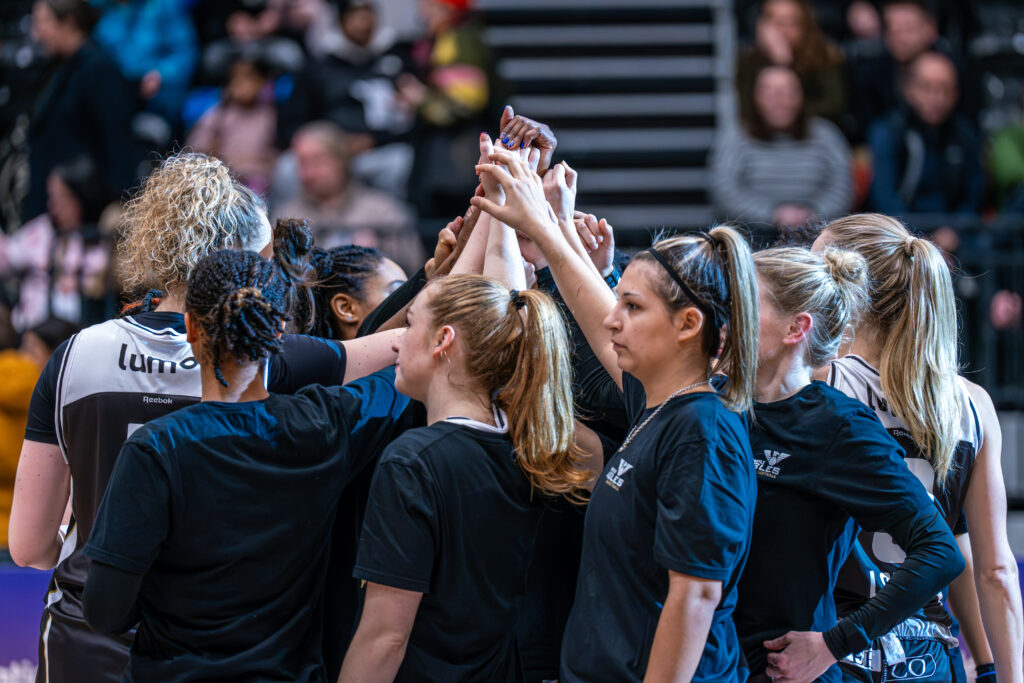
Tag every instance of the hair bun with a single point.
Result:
(846, 266)
(293, 236)
(244, 299)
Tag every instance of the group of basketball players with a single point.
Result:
(528, 462)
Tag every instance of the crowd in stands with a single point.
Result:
(336, 118)
(898, 98)
(313, 104)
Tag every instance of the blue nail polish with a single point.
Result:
(504, 138)
(522, 144)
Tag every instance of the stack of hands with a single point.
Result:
(523, 192)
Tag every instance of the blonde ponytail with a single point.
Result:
(739, 354)
(913, 307)
(718, 270)
(517, 350)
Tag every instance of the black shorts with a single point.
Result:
(70, 652)
(928, 661)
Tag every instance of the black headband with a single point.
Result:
(710, 311)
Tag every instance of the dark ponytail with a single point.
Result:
(342, 270)
(240, 302)
(293, 249)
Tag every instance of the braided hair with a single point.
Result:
(240, 302)
(293, 247)
(342, 270)
(147, 304)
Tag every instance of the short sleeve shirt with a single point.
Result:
(679, 497)
(226, 510)
(451, 515)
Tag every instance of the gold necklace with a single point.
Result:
(636, 430)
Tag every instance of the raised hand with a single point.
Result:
(531, 157)
(560, 191)
(526, 209)
(598, 239)
(491, 188)
(447, 238)
(519, 132)
(530, 252)
(456, 234)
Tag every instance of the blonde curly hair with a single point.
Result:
(187, 208)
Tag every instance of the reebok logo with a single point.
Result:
(769, 466)
(614, 477)
(140, 362)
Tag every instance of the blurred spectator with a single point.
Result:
(783, 166)
(788, 35)
(354, 86)
(341, 210)
(240, 129)
(154, 43)
(20, 369)
(876, 80)
(927, 157)
(60, 256)
(451, 91)
(84, 110)
(863, 21)
(228, 28)
(1006, 166)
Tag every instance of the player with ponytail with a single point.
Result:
(455, 505)
(214, 530)
(824, 466)
(668, 526)
(903, 365)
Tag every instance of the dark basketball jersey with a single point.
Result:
(871, 565)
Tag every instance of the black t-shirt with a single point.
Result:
(226, 509)
(452, 516)
(824, 465)
(302, 361)
(680, 497)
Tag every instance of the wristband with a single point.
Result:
(613, 277)
(985, 673)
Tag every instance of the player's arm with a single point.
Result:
(963, 602)
(995, 569)
(41, 490)
(110, 598)
(378, 647)
(366, 355)
(682, 628)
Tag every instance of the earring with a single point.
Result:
(444, 354)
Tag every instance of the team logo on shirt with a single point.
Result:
(614, 476)
(769, 466)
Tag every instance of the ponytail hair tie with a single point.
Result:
(517, 299)
(908, 247)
